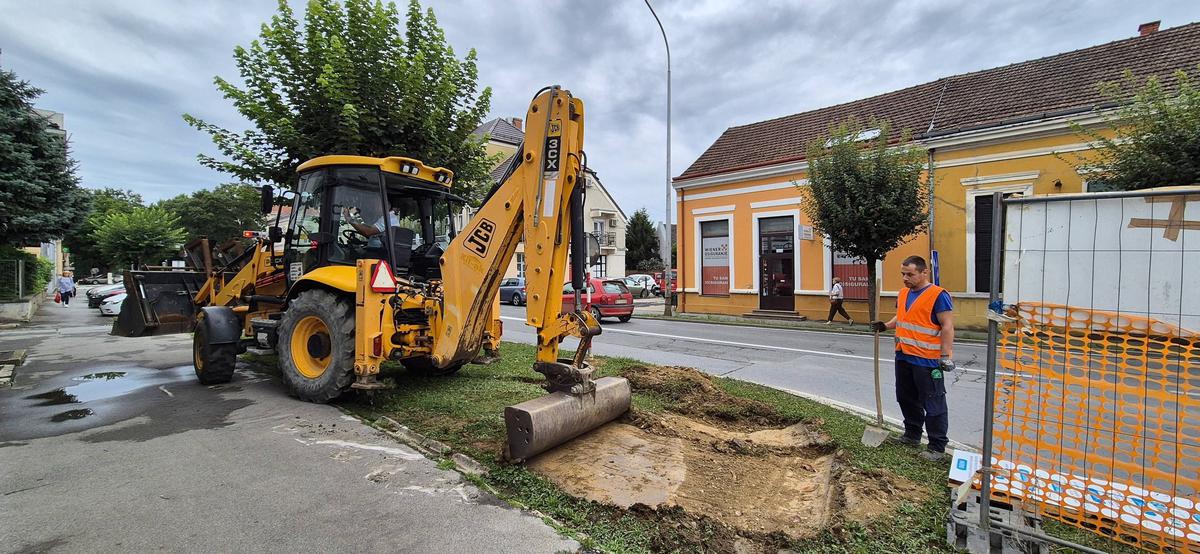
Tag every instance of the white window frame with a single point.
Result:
(972, 194)
(697, 268)
(757, 245)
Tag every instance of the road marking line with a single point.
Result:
(764, 346)
(164, 389)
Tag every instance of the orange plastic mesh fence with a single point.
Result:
(1097, 423)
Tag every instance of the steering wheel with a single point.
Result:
(353, 237)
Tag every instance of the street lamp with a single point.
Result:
(665, 244)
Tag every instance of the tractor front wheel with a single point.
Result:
(316, 346)
(215, 363)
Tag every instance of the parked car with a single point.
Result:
(95, 296)
(512, 290)
(642, 285)
(609, 298)
(658, 279)
(112, 304)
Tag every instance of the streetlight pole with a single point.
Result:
(665, 244)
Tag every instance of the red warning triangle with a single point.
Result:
(382, 279)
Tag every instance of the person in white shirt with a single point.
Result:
(836, 296)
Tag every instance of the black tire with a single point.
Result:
(624, 318)
(424, 366)
(516, 299)
(335, 339)
(596, 313)
(214, 363)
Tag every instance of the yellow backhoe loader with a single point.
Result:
(373, 268)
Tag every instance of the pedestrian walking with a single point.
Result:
(836, 297)
(924, 325)
(66, 288)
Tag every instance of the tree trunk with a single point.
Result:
(872, 291)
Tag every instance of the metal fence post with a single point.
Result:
(20, 279)
(989, 390)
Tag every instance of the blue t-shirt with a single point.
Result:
(942, 304)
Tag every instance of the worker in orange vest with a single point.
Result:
(924, 325)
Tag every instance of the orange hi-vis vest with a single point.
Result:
(916, 333)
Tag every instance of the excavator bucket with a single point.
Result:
(537, 425)
(158, 303)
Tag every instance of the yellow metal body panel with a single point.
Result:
(392, 164)
(340, 277)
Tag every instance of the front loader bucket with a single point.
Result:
(537, 425)
(158, 303)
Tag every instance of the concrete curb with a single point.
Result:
(891, 423)
(762, 325)
(466, 465)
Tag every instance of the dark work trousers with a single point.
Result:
(835, 306)
(923, 401)
(66, 298)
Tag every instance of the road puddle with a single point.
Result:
(100, 386)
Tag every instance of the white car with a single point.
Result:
(112, 304)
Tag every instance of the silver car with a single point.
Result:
(642, 286)
(512, 290)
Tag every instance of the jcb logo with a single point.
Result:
(481, 237)
(552, 153)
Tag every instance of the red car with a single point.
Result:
(658, 278)
(609, 298)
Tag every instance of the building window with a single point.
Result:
(598, 227)
(853, 273)
(714, 258)
(521, 265)
(600, 269)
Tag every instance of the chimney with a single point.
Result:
(517, 122)
(1148, 28)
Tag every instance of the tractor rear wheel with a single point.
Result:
(424, 366)
(215, 363)
(316, 346)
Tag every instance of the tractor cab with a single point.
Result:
(348, 208)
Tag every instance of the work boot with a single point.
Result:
(908, 441)
(933, 456)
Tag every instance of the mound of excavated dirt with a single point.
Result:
(720, 458)
(693, 394)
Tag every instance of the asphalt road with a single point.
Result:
(833, 367)
(108, 444)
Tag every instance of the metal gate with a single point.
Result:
(1093, 397)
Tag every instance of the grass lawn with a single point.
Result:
(465, 412)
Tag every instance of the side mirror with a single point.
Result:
(593, 249)
(268, 199)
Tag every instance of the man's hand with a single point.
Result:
(878, 326)
(946, 364)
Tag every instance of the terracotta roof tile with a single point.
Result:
(972, 100)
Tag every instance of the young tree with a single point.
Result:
(348, 82)
(85, 251)
(220, 214)
(641, 240)
(1156, 138)
(40, 198)
(141, 236)
(866, 197)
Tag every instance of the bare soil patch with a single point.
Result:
(725, 459)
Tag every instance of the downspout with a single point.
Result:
(679, 250)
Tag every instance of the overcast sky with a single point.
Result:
(123, 70)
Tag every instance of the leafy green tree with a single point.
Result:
(40, 198)
(641, 241)
(85, 251)
(219, 214)
(349, 82)
(143, 236)
(866, 197)
(1156, 138)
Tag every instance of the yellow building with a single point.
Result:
(745, 247)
